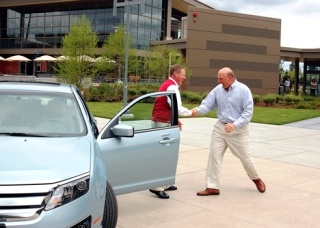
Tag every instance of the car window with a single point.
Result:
(140, 114)
(40, 114)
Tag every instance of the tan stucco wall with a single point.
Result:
(250, 45)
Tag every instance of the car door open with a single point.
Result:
(138, 156)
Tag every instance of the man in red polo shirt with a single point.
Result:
(161, 114)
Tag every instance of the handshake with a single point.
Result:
(194, 112)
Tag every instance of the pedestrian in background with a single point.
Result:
(313, 87)
(286, 84)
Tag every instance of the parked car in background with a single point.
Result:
(58, 170)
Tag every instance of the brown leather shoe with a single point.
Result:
(260, 185)
(209, 191)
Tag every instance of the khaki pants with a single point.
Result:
(155, 125)
(238, 143)
(287, 88)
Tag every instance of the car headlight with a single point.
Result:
(66, 193)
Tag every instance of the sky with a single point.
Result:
(300, 19)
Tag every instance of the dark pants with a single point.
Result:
(312, 92)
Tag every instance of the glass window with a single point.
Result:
(40, 31)
(56, 30)
(100, 29)
(52, 21)
(12, 14)
(148, 11)
(134, 9)
(48, 31)
(40, 22)
(140, 32)
(56, 14)
(65, 20)
(147, 23)
(56, 21)
(32, 32)
(16, 33)
(92, 18)
(48, 22)
(147, 34)
(64, 30)
(134, 31)
(157, 3)
(140, 120)
(56, 116)
(155, 24)
(100, 19)
(154, 35)
(101, 11)
(10, 32)
(143, 44)
(148, 2)
(156, 13)
(13, 23)
(133, 20)
(142, 20)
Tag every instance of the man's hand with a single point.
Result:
(194, 112)
(180, 125)
(229, 127)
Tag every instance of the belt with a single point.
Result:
(223, 122)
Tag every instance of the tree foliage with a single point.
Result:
(159, 59)
(79, 47)
(114, 49)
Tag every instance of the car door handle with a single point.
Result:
(166, 141)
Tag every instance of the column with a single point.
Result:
(169, 15)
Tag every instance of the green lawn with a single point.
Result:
(267, 115)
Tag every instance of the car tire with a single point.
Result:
(110, 213)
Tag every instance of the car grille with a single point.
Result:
(23, 202)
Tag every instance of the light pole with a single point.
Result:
(127, 4)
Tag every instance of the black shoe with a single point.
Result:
(160, 194)
(171, 188)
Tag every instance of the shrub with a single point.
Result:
(291, 99)
(279, 99)
(269, 99)
(190, 97)
(308, 98)
(305, 105)
(103, 88)
(256, 98)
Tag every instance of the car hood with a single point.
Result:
(42, 160)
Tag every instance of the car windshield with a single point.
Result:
(40, 115)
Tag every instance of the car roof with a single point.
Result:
(35, 86)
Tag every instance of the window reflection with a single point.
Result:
(29, 29)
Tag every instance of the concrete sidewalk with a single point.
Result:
(287, 159)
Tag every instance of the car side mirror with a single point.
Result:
(123, 130)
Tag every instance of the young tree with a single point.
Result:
(114, 48)
(158, 61)
(79, 46)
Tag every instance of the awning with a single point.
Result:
(45, 58)
(18, 58)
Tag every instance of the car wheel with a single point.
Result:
(110, 213)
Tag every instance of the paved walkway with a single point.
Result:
(287, 158)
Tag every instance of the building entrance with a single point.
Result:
(312, 78)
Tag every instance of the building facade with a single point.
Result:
(249, 45)
(209, 39)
